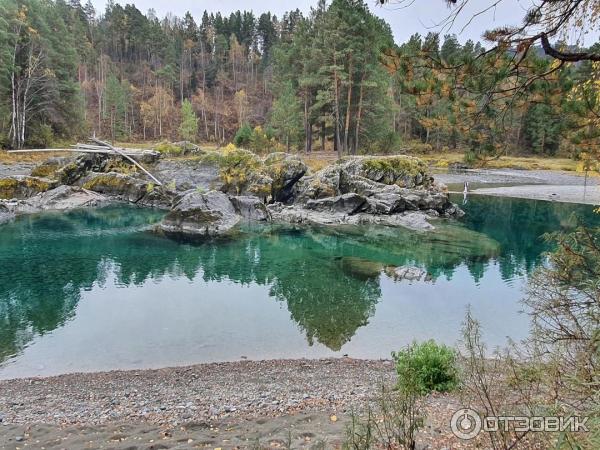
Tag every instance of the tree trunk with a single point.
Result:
(336, 107)
(359, 113)
(348, 107)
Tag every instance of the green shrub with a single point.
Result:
(166, 148)
(40, 136)
(243, 136)
(427, 365)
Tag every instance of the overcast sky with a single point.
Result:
(420, 17)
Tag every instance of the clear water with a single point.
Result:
(95, 289)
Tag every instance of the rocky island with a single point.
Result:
(209, 193)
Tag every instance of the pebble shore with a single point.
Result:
(245, 389)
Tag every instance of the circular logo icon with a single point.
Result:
(465, 424)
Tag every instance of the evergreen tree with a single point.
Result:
(286, 116)
(188, 129)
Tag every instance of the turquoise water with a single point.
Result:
(97, 290)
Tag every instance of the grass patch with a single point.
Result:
(430, 367)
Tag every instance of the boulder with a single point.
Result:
(198, 216)
(346, 204)
(21, 187)
(250, 208)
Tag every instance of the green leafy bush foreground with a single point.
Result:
(429, 367)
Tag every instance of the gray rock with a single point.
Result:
(65, 197)
(186, 174)
(296, 214)
(250, 208)
(198, 215)
(347, 204)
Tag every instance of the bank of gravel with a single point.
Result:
(172, 395)
(245, 404)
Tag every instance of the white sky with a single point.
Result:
(421, 16)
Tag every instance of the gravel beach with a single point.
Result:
(246, 404)
(528, 184)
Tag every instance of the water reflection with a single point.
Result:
(328, 279)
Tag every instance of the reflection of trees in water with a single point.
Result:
(328, 278)
(518, 226)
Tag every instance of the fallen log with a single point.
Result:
(102, 148)
(126, 156)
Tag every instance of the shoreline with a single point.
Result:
(239, 389)
(303, 403)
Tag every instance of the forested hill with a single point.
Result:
(333, 79)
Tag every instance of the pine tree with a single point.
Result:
(188, 129)
(286, 116)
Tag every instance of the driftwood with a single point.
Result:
(126, 156)
(103, 148)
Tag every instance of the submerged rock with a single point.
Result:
(198, 215)
(360, 268)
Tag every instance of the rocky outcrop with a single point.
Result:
(414, 220)
(285, 171)
(58, 199)
(117, 185)
(130, 189)
(395, 191)
(22, 187)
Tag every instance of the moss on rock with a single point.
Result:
(405, 171)
(22, 187)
